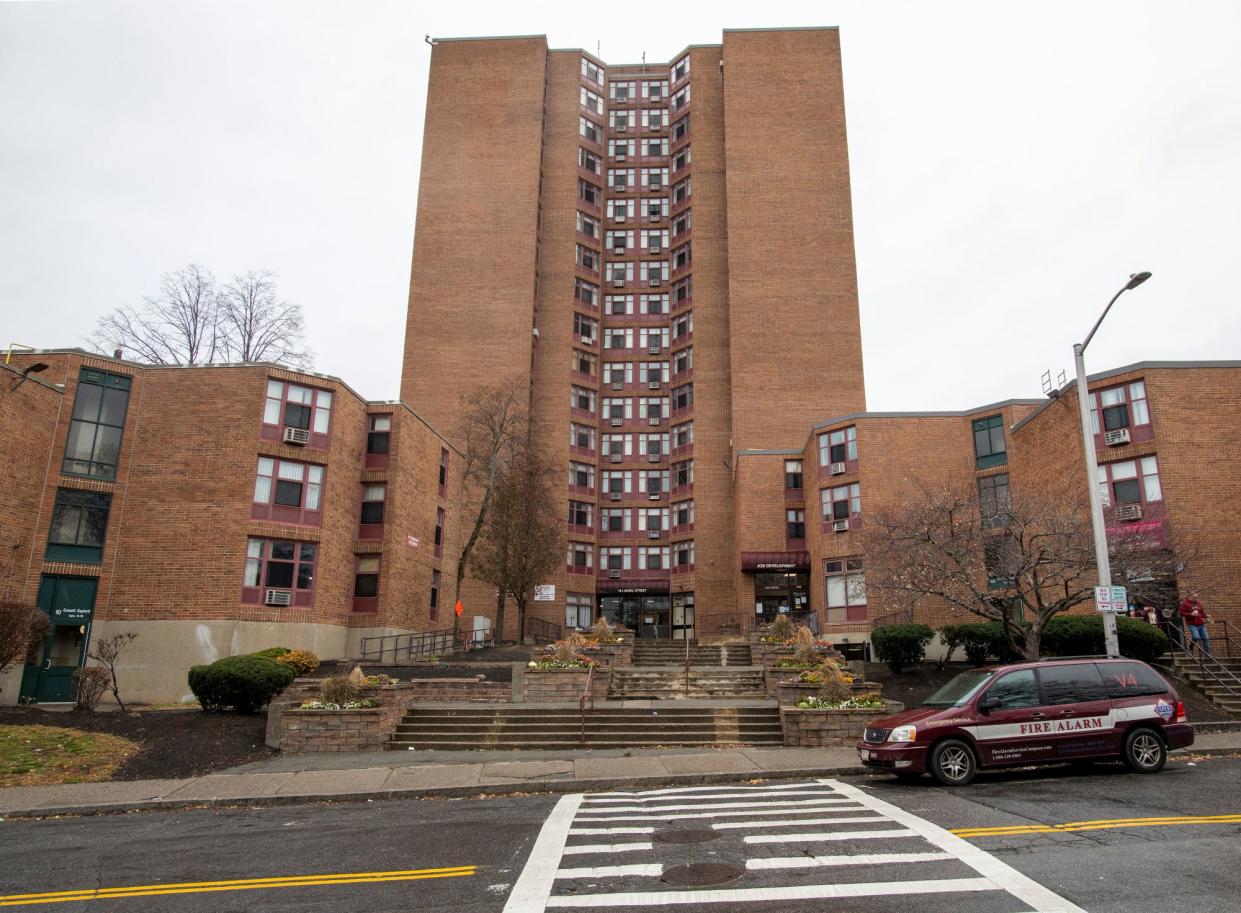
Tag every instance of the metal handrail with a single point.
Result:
(543, 631)
(412, 645)
(581, 703)
(1230, 633)
(687, 642)
(1218, 673)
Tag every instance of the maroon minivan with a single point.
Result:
(1033, 713)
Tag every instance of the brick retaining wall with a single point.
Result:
(817, 728)
(546, 686)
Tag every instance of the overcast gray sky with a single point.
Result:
(1012, 164)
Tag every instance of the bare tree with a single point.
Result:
(21, 626)
(179, 326)
(258, 325)
(522, 541)
(108, 652)
(493, 421)
(1031, 556)
(194, 321)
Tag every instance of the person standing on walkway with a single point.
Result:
(1195, 618)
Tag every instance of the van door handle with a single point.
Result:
(1036, 715)
(1066, 713)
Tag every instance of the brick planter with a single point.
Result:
(789, 692)
(609, 656)
(822, 728)
(561, 686)
(364, 729)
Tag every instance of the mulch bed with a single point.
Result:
(175, 743)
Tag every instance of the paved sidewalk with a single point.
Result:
(453, 774)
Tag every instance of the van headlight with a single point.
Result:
(903, 734)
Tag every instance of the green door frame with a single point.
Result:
(70, 604)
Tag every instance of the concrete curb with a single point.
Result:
(438, 792)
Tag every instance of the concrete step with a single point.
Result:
(567, 744)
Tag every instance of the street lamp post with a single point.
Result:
(1092, 466)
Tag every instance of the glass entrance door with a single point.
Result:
(780, 593)
(69, 602)
(646, 616)
(683, 616)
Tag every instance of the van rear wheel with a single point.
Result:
(1145, 752)
(952, 763)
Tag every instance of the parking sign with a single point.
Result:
(1110, 599)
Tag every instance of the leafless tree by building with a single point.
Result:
(193, 320)
(1021, 562)
(523, 540)
(22, 626)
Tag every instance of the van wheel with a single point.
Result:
(952, 763)
(1145, 752)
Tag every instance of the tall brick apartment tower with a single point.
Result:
(664, 253)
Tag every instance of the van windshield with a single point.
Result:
(959, 691)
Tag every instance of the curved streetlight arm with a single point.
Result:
(1081, 347)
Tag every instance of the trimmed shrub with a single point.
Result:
(783, 629)
(242, 683)
(1082, 635)
(981, 641)
(303, 661)
(272, 652)
(901, 645)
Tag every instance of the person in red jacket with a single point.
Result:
(1195, 618)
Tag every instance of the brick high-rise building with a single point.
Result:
(664, 254)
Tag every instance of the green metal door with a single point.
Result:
(69, 602)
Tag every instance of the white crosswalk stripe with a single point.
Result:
(803, 845)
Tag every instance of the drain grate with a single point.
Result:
(702, 873)
(686, 835)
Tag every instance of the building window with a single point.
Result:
(1130, 482)
(680, 129)
(435, 595)
(838, 446)
(989, 446)
(443, 470)
(94, 445)
(795, 524)
(683, 435)
(995, 500)
(365, 578)
(845, 585)
(294, 406)
(684, 473)
(373, 506)
(580, 558)
(287, 491)
(841, 502)
(793, 479)
(579, 610)
(683, 555)
(276, 564)
(579, 515)
(1123, 407)
(439, 531)
(379, 434)
(582, 476)
(586, 293)
(683, 514)
(79, 526)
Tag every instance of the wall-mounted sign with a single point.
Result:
(545, 592)
(71, 615)
(412, 541)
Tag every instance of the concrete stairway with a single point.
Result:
(672, 653)
(532, 726)
(671, 683)
(1211, 683)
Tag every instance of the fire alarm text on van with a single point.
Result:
(1092, 722)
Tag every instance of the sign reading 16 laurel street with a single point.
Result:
(1110, 599)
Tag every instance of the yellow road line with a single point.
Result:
(237, 884)
(1100, 824)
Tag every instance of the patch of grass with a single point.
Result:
(47, 755)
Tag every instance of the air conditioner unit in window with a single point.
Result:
(1129, 512)
(655, 186)
(617, 421)
(840, 526)
(653, 457)
(278, 597)
(618, 281)
(620, 155)
(614, 495)
(652, 534)
(837, 469)
(1117, 437)
(587, 341)
(298, 436)
(654, 348)
(655, 281)
(614, 457)
(653, 246)
(654, 217)
(654, 496)
(653, 385)
(655, 419)
(613, 573)
(617, 385)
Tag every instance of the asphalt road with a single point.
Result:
(776, 846)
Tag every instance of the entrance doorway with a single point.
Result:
(778, 593)
(69, 602)
(683, 616)
(647, 616)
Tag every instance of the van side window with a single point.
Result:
(1014, 691)
(1072, 683)
(1131, 680)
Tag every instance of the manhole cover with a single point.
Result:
(702, 873)
(688, 835)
